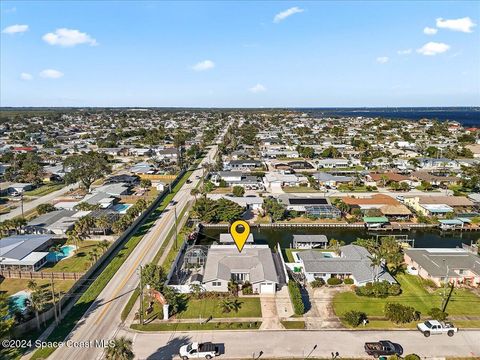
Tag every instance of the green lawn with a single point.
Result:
(293, 325)
(12, 286)
(250, 307)
(78, 262)
(462, 302)
(44, 190)
(197, 326)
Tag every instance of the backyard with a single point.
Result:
(80, 262)
(414, 293)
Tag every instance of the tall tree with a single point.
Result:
(86, 168)
(121, 349)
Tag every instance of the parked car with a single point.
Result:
(197, 350)
(434, 327)
(382, 348)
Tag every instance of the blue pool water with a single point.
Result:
(66, 250)
(16, 302)
(121, 208)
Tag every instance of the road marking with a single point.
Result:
(132, 269)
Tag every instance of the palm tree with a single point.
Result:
(375, 263)
(121, 349)
(56, 249)
(229, 304)
(37, 299)
(233, 287)
(73, 236)
(194, 192)
(103, 246)
(104, 223)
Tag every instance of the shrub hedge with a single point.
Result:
(348, 281)
(400, 314)
(354, 318)
(437, 314)
(379, 289)
(334, 281)
(317, 283)
(296, 297)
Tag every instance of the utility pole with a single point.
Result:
(141, 295)
(444, 300)
(21, 200)
(53, 300)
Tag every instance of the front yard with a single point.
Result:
(12, 286)
(204, 308)
(462, 301)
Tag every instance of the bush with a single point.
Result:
(296, 297)
(394, 357)
(379, 289)
(412, 357)
(429, 283)
(437, 314)
(354, 318)
(348, 281)
(400, 314)
(247, 288)
(45, 208)
(317, 283)
(334, 281)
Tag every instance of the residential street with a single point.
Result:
(298, 344)
(27, 206)
(102, 320)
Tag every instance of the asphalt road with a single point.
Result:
(102, 320)
(27, 206)
(298, 344)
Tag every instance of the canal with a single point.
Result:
(431, 238)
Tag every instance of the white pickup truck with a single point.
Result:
(197, 350)
(434, 327)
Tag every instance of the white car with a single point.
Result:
(197, 350)
(435, 327)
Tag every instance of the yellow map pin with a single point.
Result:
(240, 238)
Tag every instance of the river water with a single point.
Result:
(430, 238)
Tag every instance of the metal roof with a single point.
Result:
(19, 246)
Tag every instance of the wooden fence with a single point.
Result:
(15, 274)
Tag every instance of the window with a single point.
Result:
(216, 283)
(240, 277)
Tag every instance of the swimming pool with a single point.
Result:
(16, 302)
(65, 251)
(121, 208)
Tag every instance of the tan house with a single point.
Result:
(456, 266)
(438, 205)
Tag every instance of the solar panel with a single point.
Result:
(309, 201)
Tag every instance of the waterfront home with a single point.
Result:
(396, 212)
(24, 252)
(457, 266)
(439, 205)
(254, 264)
(353, 262)
(376, 201)
(228, 239)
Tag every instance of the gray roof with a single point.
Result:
(435, 261)
(353, 260)
(228, 239)
(50, 218)
(19, 246)
(223, 260)
(324, 176)
(310, 239)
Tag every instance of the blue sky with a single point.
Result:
(240, 54)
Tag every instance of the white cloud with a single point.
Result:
(26, 76)
(204, 65)
(257, 89)
(433, 48)
(463, 24)
(382, 59)
(286, 13)
(10, 11)
(15, 29)
(404, 52)
(430, 31)
(51, 74)
(68, 37)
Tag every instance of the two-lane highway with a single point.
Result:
(102, 320)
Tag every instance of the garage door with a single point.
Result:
(267, 288)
